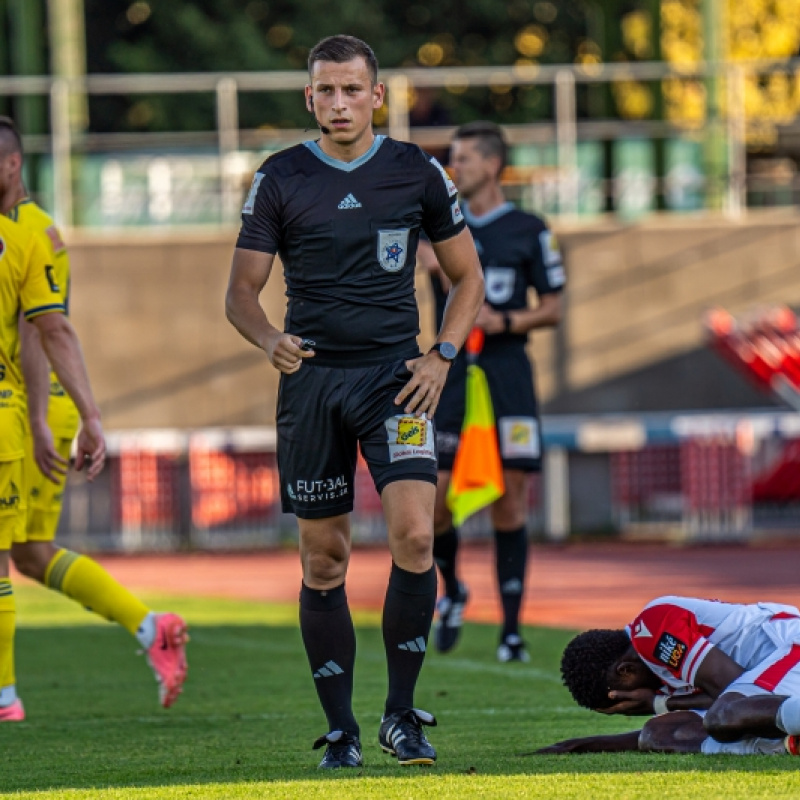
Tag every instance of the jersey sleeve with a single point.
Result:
(441, 218)
(546, 266)
(40, 292)
(671, 641)
(261, 217)
(59, 258)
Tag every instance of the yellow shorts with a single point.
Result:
(12, 503)
(12, 423)
(62, 416)
(44, 498)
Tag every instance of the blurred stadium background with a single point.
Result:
(661, 138)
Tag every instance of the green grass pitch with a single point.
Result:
(248, 716)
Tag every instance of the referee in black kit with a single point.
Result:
(345, 213)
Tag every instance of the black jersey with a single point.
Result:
(517, 251)
(347, 235)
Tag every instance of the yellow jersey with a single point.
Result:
(62, 415)
(27, 285)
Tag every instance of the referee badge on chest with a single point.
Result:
(392, 249)
(499, 283)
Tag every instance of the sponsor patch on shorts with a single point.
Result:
(519, 437)
(409, 437)
(670, 650)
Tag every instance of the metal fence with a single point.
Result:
(692, 477)
(562, 173)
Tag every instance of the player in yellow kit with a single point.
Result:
(27, 291)
(54, 421)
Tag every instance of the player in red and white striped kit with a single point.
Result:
(739, 662)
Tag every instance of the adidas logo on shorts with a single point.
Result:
(349, 202)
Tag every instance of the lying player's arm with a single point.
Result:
(717, 672)
(606, 743)
(63, 350)
(641, 702)
(36, 372)
(459, 261)
(250, 272)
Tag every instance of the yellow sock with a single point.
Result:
(8, 621)
(84, 580)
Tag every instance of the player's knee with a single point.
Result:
(416, 542)
(29, 563)
(652, 735)
(325, 566)
(723, 722)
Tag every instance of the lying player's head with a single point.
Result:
(589, 666)
(10, 153)
(478, 155)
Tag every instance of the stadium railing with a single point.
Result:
(687, 477)
(557, 165)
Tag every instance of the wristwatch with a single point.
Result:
(446, 350)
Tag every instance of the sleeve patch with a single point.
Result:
(250, 203)
(550, 251)
(556, 276)
(455, 210)
(55, 239)
(670, 651)
(451, 187)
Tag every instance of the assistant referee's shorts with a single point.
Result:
(325, 413)
(510, 378)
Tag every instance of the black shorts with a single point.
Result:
(324, 413)
(510, 377)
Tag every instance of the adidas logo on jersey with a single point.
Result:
(349, 202)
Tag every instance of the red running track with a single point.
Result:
(574, 586)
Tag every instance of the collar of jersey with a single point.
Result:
(475, 221)
(345, 166)
(14, 212)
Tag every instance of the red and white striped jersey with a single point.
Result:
(673, 635)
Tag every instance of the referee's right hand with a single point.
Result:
(284, 353)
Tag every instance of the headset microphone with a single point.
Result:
(325, 130)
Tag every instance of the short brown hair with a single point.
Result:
(342, 48)
(10, 140)
(490, 139)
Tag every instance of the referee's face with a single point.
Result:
(343, 98)
(471, 169)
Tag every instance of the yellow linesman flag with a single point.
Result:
(477, 477)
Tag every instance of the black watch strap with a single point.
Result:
(446, 350)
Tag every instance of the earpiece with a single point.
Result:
(319, 125)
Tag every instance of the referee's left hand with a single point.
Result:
(421, 394)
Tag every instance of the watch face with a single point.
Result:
(447, 350)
